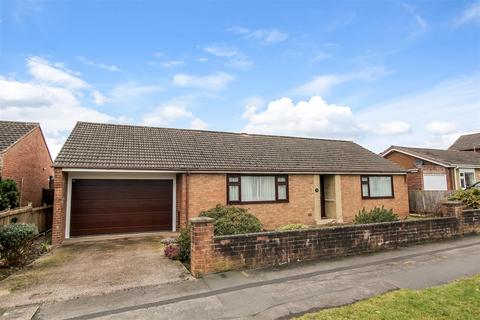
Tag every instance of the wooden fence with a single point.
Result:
(421, 201)
(41, 216)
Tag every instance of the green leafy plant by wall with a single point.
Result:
(292, 226)
(9, 196)
(183, 242)
(16, 242)
(232, 220)
(375, 215)
(469, 197)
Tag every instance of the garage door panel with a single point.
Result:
(103, 206)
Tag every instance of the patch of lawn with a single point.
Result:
(457, 300)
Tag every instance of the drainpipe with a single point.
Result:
(455, 176)
(187, 196)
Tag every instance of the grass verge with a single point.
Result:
(456, 300)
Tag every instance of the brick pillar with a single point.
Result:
(454, 209)
(201, 250)
(59, 207)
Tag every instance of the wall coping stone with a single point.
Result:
(196, 220)
(340, 227)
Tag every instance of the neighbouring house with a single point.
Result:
(436, 169)
(467, 142)
(121, 178)
(24, 157)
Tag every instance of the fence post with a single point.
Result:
(454, 209)
(201, 248)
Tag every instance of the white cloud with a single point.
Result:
(198, 124)
(393, 128)
(315, 118)
(235, 58)
(44, 71)
(440, 127)
(449, 102)
(469, 14)
(213, 82)
(52, 97)
(221, 50)
(265, 36)
(420, 22)
(167, 114)
(111, 67)
(202, 59)
(131, 90)
(322, 84)
(322, 56)
(252, 104)
(172, 63)
(99, 98)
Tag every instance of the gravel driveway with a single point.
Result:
(91, 268)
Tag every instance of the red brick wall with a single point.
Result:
(352, 200)
(208, 190)
(28, 163)
(59, 207)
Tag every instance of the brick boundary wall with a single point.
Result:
(264, 249)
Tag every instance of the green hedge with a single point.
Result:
(469, 197)
(16, 242)
(232, 220)
(375, 215)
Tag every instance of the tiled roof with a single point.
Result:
(12, 131)
(108, 146)
(467, 142)
(445, 157)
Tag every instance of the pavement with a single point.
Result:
(91, 268)
(283, 292)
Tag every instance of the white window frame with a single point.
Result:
(461, 174)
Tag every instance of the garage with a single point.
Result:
(108, 206)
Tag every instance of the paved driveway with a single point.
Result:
(91, 268)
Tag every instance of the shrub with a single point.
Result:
(8, 194)
(375, 215)
(183, 242)
(469, 197)
(172, 251)
(292, 226)
(16, 242)
(232, 220)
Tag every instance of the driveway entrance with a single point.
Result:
(91, 268)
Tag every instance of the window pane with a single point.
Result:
(233, 193)
(281, 179)
(468, 178)
(282, 192)
(258, 188)
(380, 186)
(232, 179)
(365, 190)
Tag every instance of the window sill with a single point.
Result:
(256, 202)
(375, 198)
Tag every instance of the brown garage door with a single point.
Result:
(101, 206)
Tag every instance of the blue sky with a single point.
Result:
(377, 72)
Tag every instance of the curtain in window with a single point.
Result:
(233, 193)
(258, 188)
(380, 186)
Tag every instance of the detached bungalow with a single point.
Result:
(24, 157)
(435, 169)
(121, 178)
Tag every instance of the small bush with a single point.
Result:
(16, 242)
(469, 197)
(9, 196)
(172, 251)
(375, 215)
(232, 220)
(183, 242)
(292, 226)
